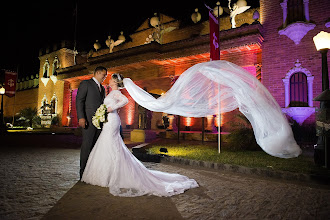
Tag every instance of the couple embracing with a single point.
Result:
(104, 158)
(106, 161)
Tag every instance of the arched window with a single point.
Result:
(46, 69)
(298, 87)
(295, 19)
(298, 90)
(56, 65)
(295, 11)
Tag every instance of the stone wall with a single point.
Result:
(23, 99)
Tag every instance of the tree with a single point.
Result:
(28, 115)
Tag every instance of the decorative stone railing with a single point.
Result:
(27, 83)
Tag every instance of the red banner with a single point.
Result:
(214, 37)
(10, 83)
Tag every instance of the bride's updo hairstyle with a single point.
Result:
(118, 79)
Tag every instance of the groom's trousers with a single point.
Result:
(90, 136)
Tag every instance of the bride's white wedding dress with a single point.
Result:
(111, 164)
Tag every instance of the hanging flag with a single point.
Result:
(214, 37)
(10, 83)
(215, 55)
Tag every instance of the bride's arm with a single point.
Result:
(121, 102)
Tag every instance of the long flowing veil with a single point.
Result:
(196, 94)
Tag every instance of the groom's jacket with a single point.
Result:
(88, 99)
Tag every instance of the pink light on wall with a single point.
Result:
(251, 69)
(130, 116)
(73, 115)
(129, 109)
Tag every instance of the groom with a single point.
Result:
(90, 96)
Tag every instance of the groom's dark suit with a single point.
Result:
(88, 99)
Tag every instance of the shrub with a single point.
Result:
(241, 136)
(36, 122)
(55, 121)
(305, 133)
(28, 117)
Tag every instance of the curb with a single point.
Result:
(246, 170)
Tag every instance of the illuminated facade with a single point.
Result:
(273, 42)
(152, 61)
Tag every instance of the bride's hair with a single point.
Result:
(118, 79)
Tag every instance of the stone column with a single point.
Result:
(306, 8)
(216, 120)
(285, 12)
(171, 118)
(310, 90)
(210, 123)
(286, 91)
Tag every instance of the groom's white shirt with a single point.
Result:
(97, 82)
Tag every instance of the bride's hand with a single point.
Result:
(109, 109)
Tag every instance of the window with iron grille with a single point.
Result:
(298, 90)
(295, 11)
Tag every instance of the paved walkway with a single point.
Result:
(33, 181)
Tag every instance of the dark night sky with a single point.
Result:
(28, 26)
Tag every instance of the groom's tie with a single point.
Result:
(101, 90)
(99, 86)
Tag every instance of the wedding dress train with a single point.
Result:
(201, 88)
(112, 165)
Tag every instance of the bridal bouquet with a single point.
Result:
(100, 116)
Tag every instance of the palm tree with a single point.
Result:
(28, 115)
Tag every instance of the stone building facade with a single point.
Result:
(273, 42)
(26, 95)
(288, 50)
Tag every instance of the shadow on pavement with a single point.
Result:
(84, 201)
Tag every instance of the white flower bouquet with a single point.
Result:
(100, 116)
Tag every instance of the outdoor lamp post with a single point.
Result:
(321, 151)
(2, 124)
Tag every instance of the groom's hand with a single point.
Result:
(82, 122)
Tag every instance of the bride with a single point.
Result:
(112, 165)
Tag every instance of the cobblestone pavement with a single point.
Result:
(32, 180)
(225, 195)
